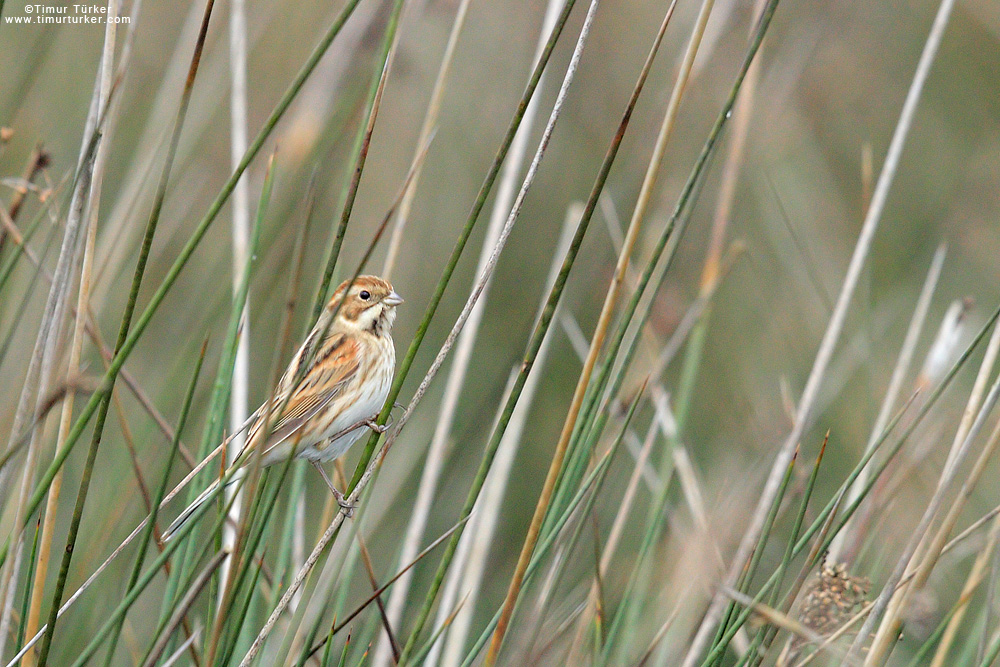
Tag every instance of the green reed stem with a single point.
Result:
(456, 253)
(130, 306)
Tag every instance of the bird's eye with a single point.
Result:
(365, 295)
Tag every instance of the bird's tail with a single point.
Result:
(205, 496)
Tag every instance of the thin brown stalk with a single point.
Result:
(730, 171)
(141, 396)
(295, 278)
(132, 455)
(604, 320)
(471, 558)
(37, 162)
(693, 317)
(439, 447)
(283, 351)
(382, 589)
(339, 625)
(310, 562)
(370, 570)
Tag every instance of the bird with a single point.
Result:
(332, 390)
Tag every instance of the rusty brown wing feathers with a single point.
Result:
(335, 366)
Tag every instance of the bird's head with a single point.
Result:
(369, 305)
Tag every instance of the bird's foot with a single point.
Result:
(378, 428)
(346, 506)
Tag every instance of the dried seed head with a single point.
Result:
(832, 598)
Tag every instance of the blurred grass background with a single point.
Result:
(833, 77)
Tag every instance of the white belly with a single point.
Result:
(350, 410)
(367, 406)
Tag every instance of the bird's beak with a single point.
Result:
(393, 299)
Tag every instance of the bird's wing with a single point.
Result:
(336, 363)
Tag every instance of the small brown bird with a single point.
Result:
(351, 362)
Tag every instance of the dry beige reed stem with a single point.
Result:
(438, 450)
(239, 401)
(830, 339)
(470, 565)
(885, 637)
(899, 374)
(976, 576)
(82, 214)
(76, 345)
(932, 552)
(604, 320)
(430, 121)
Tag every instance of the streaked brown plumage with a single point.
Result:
(347, 382)
(351, 362)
